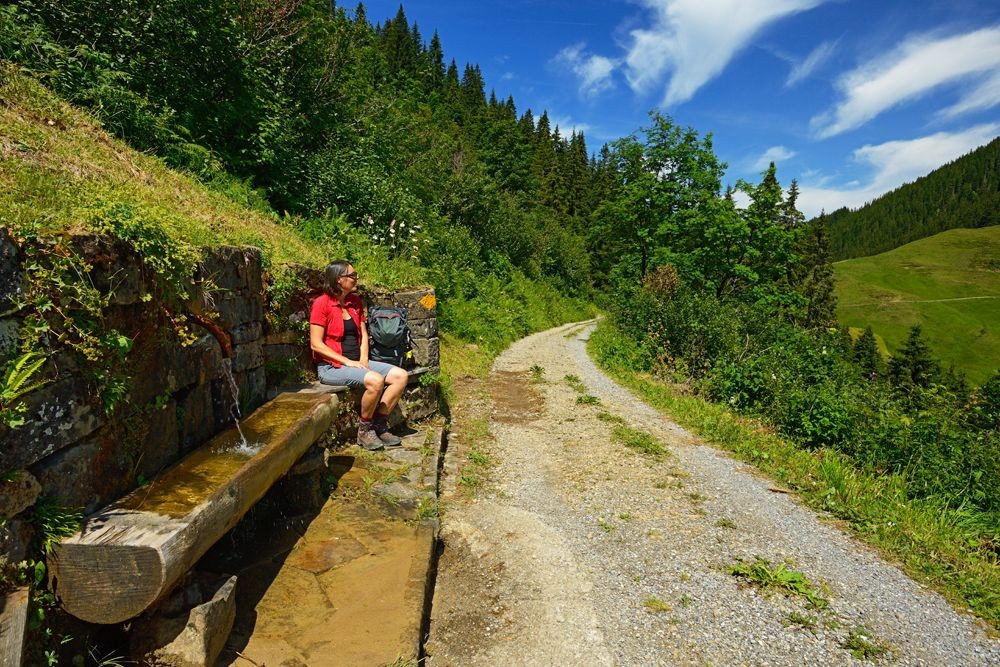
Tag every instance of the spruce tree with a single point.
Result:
(866, 354)
(914, 365)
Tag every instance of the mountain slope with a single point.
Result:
(962, 193)
(948, 283)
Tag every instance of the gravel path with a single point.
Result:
(584, 552)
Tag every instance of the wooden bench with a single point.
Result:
(128, 556)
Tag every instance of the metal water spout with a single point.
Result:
(224, 342)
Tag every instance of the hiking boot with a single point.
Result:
(368, 438)
(381, 426)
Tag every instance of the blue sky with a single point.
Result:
(851, 98)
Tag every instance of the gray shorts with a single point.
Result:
(347, 376)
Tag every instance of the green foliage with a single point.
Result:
(864, 645)
(779, 577)
(54, 522)
(640, 441)
(16, 384)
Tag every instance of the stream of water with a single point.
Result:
(243, 447)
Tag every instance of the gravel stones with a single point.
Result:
(576, 533)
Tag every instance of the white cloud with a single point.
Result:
(773, 154)
(802, 70)
(895, 163)
(920, 64)
(694, 40)
(983, 96)
(593, 71)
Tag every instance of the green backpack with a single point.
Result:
(388, 335)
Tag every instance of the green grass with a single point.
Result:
(919, 283)
(933, 543)
(639, 441)
(780, 578)
(656, 605)
(61, 165)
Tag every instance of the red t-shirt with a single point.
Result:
(328, 313)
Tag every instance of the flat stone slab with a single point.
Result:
(352, 592)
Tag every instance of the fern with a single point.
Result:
(16, 384)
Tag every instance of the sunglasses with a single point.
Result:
(353, 275)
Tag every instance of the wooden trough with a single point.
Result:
(130, 554)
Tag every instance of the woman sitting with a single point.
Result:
(338, 337)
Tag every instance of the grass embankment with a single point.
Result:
(59, 169)
(948, 283)
(926, 538)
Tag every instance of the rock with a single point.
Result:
(425, 328)
(9, 336)
(420, 303)
(247, 333)
(16, 537)
(90, 474)
(195, 418)
(419, 401)
(115, 268)
(18, 494)
(427, 352)
(180, 635)
(311, 461)
(160, 445)
(11, 286)
(247, 356)
(58, 414)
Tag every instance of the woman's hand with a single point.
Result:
(350, 363)
(364, 362)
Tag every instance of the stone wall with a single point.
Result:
(72, 450)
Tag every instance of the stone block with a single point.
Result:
(16, 537)
(419, 402)
(88, 475)
(9, 336)
(301, 494)
(235, 309)
(159, 445)
(420, 303)
(246, 333)
(18, 494)
(58, 414)
(182, 635)
(425, 328)
(251, 388)
(427, 352)
(232, 268)
(195, 364)
(115, 268)
(11, 286)
(247, 356)
(194, 416)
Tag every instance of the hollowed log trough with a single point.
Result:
(128, 556)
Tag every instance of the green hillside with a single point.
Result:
(949, 283)
(963, 193)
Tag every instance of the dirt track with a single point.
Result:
(579, 551)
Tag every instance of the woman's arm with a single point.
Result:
(364, 344)
(317, 334)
